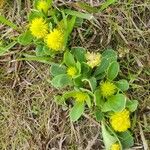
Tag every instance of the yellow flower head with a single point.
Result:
(115, 146)
(80, 96)
(93, 59)
(120, 121)
(107, 89)
(39, 28)
(72, 71)
(55, 40)
(43, 6)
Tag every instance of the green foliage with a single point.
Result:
(92, 83)
(97, 9)
(132, 105)
(69, 59)
(78, 14)
(126, 139)
(57, 69)
(108, 138)
(8, 23)
(98, 99)
(76, 111)
(61, 81)
(115, 103)
(79, 53)
(106, 4)
(99, 115)
(42, 59)
(122, 85)
(4, 49)
(113, 70)
(25, 38)
(108, 57)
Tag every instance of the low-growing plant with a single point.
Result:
(96, 87)
(89, 80)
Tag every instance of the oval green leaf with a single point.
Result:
(69, 59)
(76, 111)
(115, 103)
(61, 81)
(122, 85)
(113, 70)
(57, 69)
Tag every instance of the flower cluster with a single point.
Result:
(88, 79)
(120, 121)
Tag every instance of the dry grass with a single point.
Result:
(29, 117)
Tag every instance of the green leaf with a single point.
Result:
(25, 38)
(78, 81)
(113, 70)
(69, 59)
(46, 60)
(115, 103)
(85, 70)
(126, 139)
(79, 53)
(99, 115)
(107, 137)
(132, 105)
(88, 101)
(106, 4)
(61, 81)
(110, 54)
(102, 67)
(59, 100)
(92, 82)
(57, 69)
(3, 50)
(122, 85)
(34, 14)
(69, 94)
(79, 22)
(50, 2)
(68, 27)
(98, 99)
(78, 66)
(76, 111)
(87, 7)
(39, 50)
(79, 14)
(8, 23)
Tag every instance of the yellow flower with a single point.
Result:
(39, 28)
(107, 89)
(72, 71)
(55, 40)
(93, 59)
(80, 96)
(115, 146)
(120, 121)
(43, 6)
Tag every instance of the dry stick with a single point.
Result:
(145, 145)
(91, 143)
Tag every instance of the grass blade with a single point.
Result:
(106, 4)
(3, 50)
(7, 22)
(46, 60)
(79, 14)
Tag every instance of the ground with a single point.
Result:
(29, 117)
